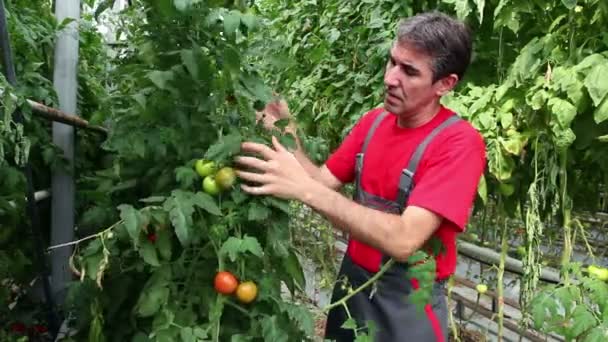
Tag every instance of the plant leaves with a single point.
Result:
(597, 83)
(597, 334)
(257, 212)
(226, 147)
(563, 110)
(148, 253)
(131, 221)
(582, 320)
(271, 330)
(180, 208)
(207, 203)
(190, 62)
(160, 78)
(235, 246)
(601, 112)
(155, 293)
(570, 4)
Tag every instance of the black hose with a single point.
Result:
(32, 209)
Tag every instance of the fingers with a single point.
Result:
(256, 190)
(263, 150)
(253, 177)
(252, 162)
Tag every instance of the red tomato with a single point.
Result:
(225, 282)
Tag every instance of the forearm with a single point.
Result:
(378, 229)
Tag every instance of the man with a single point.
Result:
(392, 215)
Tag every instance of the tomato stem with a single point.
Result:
(373, 279)
(239, 308)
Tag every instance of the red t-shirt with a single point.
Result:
(445, 182)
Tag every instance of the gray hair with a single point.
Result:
(446, 40)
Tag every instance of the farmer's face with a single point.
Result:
(408, 81)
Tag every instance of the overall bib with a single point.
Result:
(394, 317)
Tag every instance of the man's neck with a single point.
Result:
(420, 117)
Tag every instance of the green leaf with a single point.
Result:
(189, 60)
(294, 269)
(160, 78)
(597, 83)
(583, 320)
(235, 246)
(232, 20)
(155, 293)
(249, 20)
(601, 112)
(148, 253)
(182, 5)
(257, 212)
(180, 208)
(187, 335)
(563, 110)
(207, 203)
(301, 315)
(567, 296)
(256, 87)
(96, 329)
(350, 324)
(163, 243)
(480, 6)
(570, 4)
(131, 220)
(597, 334)
(186, 176)
(153, 199)
(271, 330)
(482, 189)
(280, 204)
(232, 59)
(225, 147)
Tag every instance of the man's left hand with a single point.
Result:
(279, 172)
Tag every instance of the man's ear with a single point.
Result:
(446, 84)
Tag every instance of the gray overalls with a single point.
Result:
(394, 317)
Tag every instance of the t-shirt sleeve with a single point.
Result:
(341, 163)
(449, 183)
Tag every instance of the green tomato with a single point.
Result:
(598, 272)
(602, 274)
(204, 168)
(210, 186)
(521, 251)
(481, 288)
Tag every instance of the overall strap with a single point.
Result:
(407, 175)
(359, 158)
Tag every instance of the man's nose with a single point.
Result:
(391, 78)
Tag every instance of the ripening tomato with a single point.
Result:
(225, 282)
(225, 178)
(247, 291)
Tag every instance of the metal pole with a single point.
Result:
(63, 189)
(32, 209)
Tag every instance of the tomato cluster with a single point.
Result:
(227, 284)
(214, 181)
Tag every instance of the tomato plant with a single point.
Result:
(182, 102)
